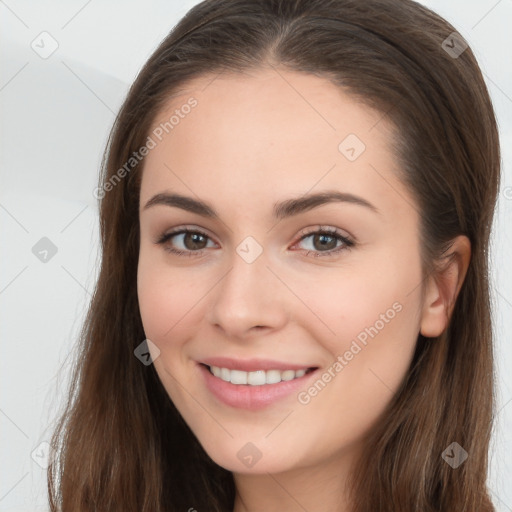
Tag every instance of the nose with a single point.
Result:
(248, 299)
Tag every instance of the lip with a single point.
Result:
(252, 365)
(244, 396)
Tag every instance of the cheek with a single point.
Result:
(166, 302)
(371, 319)
(156, 303)
(375, 321)
(380, 301)
(158, 300)
(360, 306)
(375, 329)
(170, 301)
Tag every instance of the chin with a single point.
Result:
(245, 457)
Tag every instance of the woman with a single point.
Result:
(293, 308)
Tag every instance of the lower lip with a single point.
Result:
(244, 396)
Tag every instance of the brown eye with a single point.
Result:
(194, 241)
(188, 242)
(326, 242)
(322, 241)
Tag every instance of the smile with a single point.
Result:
(253, 389)
(258, 377)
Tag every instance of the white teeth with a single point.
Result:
(225, 374)
(256, 378)
(238, 377)
(288, 375)
(273, 376)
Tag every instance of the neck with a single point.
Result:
(322, 486)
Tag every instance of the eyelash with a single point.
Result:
(332, 232)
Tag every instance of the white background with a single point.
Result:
(56, 114)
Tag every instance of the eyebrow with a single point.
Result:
(281, 210)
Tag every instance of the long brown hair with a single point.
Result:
(120, 443)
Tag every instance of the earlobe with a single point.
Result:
(443, 288)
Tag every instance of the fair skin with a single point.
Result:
(253, 140)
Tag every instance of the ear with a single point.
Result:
(443, 287)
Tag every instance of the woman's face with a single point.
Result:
(273, 276)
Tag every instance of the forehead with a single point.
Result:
(261, 133)
(256, 106)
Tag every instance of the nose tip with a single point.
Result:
(248, 301)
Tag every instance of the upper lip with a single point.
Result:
(251, 365)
